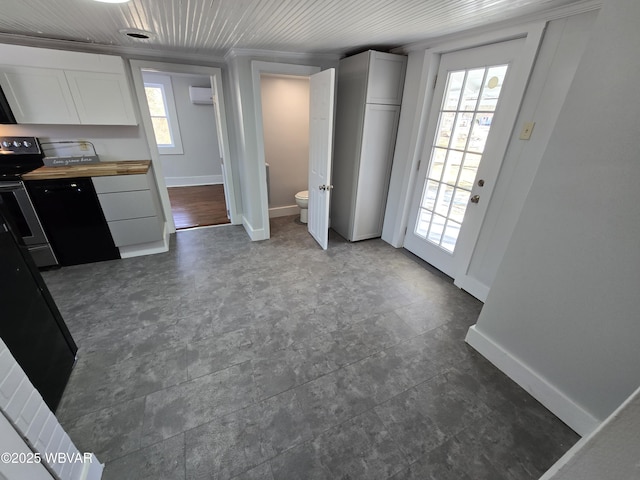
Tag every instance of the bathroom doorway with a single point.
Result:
(281, 70)
(285, 121)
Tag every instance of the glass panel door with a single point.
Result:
(465, 116)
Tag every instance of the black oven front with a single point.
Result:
(19, 155)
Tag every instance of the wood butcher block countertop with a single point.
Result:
(101, 169)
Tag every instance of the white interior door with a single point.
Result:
(321, 101)
(223, 167)
(472, 115)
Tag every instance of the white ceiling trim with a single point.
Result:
(124, 51)
(210, 32)
(251, 52)
(549, 15)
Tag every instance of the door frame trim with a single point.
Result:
(258, 68)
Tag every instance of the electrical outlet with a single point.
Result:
(527, 129)
(84, 146)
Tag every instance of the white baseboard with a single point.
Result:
(150, 248)
(255, 234)
(580, 420)
(473, 287)
(193, 181)
(284, 211)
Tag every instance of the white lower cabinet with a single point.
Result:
(131, 207)
(135, 231)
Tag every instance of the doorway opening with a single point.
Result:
(285, 121)
(181, 107)
(211, 78)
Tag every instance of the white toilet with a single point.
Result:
(302, 199)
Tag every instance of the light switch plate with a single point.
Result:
(527, 129)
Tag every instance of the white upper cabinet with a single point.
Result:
(38, 95)
(386, 78)
(101, 98)
(58, 87)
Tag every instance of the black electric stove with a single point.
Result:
(19, 155)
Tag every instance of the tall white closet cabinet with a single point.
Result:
(369, 94)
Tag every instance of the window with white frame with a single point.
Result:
(163, 113)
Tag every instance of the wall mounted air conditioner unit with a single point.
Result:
(201, 95)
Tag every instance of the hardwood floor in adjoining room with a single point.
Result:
(198, 206)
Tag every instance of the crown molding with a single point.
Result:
(547, 15)
(172, 56)
(256, 53)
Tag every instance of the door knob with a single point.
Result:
(475, 199)
(326, 187)
(322, 187)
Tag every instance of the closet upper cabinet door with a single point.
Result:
(101, 98)
(386, 78)
(38, 95)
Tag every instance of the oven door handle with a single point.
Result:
(10, 187)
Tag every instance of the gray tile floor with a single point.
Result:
(226, 358)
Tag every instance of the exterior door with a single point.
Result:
(321, 101)
(469, 125)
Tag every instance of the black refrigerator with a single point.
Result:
(30, 324)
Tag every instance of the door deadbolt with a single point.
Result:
(481, 183)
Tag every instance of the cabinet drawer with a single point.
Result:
(121, 183)
(125, 205)
(135, 231)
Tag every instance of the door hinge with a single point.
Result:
(419, 162)
(435, 82)
(405, 230)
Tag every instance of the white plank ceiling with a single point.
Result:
(213, 27)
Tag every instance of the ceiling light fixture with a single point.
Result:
(112, 1)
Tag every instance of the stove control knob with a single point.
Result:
(26, 144)
(6, 144)
(16, 143)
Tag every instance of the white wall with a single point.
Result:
(562, 315)
(285, 120)
(200, 162)
(611, 452)
(112, 142)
